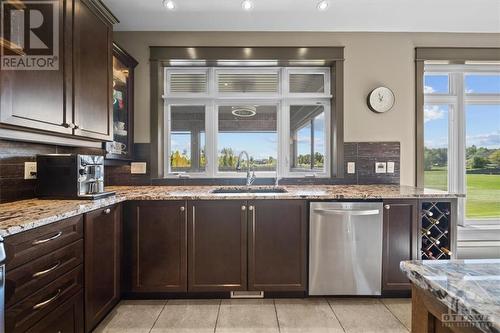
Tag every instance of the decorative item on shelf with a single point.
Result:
(435, 239)
(381, 99)
(121, 148)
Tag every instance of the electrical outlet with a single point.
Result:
(29, 170)
(351, 167)
(390, 167)
(138, 167)
(380, 167)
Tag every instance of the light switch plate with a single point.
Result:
(390, 167)
(29, 170)
(351, 167)
(138, 167)
(380, 167)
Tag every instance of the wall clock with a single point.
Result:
(381, 99)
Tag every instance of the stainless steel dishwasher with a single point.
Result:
(345, 248)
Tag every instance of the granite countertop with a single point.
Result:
(467, 287)
(27, 214)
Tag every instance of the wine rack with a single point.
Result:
(435, 230)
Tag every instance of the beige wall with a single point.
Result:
(371, 59)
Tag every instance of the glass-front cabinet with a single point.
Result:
(121, 148)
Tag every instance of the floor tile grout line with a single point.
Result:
(158, 317)
(217, 318)
(335, 315)
(276, 312)
(397, 318)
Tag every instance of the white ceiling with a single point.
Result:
(302, 15)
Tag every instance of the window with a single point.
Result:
(279, 116)
(462, 136)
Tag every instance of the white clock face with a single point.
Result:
(381, 99)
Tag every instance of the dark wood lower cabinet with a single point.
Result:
(102, 262)
(67, 318)
(217, 238)
(277, 245)
(155, 245)
(399, 242)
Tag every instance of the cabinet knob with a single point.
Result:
(387, 206)
(107, 211)
(243, 207)
(250, 208)
(182, 208)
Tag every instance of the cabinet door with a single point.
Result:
(277, 245)
(156, 246)
(41, 99)
(92, 61)
(67, 318)
(400, 242)
(102, 262)
(217, 236)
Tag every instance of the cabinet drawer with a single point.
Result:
(28, 278)
(26, 313)
(29, 245)
(67, 318)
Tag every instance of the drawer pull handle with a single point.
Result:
(41, 241)
(44, 303)
(107, 211)
(48, 270)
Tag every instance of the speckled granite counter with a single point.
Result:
(27, 214)
(467, 287)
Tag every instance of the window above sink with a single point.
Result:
(279, 115)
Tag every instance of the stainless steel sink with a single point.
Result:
(229, 190)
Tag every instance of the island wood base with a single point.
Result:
(427, 312)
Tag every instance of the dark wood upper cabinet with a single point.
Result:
(76, 98)
(217, 251)
(38, 99)
(121, 148)
(399, 243)
(103, 232)
(93, 72)
(155, 247)
(277, 245)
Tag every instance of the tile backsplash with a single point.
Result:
(13, 154)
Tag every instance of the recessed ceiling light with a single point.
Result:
(169, 4)
(247, 5)
(322, 5)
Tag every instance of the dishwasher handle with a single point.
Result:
(348, 212)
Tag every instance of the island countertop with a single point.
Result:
(467, 287)
(27, 214)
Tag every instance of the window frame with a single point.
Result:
(167, 132)
(286, 171)
(212, 99)
(458, 100)
(306, 70)
(196, 70)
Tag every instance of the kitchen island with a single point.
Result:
(455, 295)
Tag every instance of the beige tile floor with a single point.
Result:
(311, 315)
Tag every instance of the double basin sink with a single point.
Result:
(248, 189)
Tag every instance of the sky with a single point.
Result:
(482, 121)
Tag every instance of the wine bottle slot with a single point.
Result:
(425, 231)
(445, 251)
(427, 212)
(436, 241)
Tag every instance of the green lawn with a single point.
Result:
(483, 192)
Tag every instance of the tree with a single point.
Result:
(495, 158)
(479, 162)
